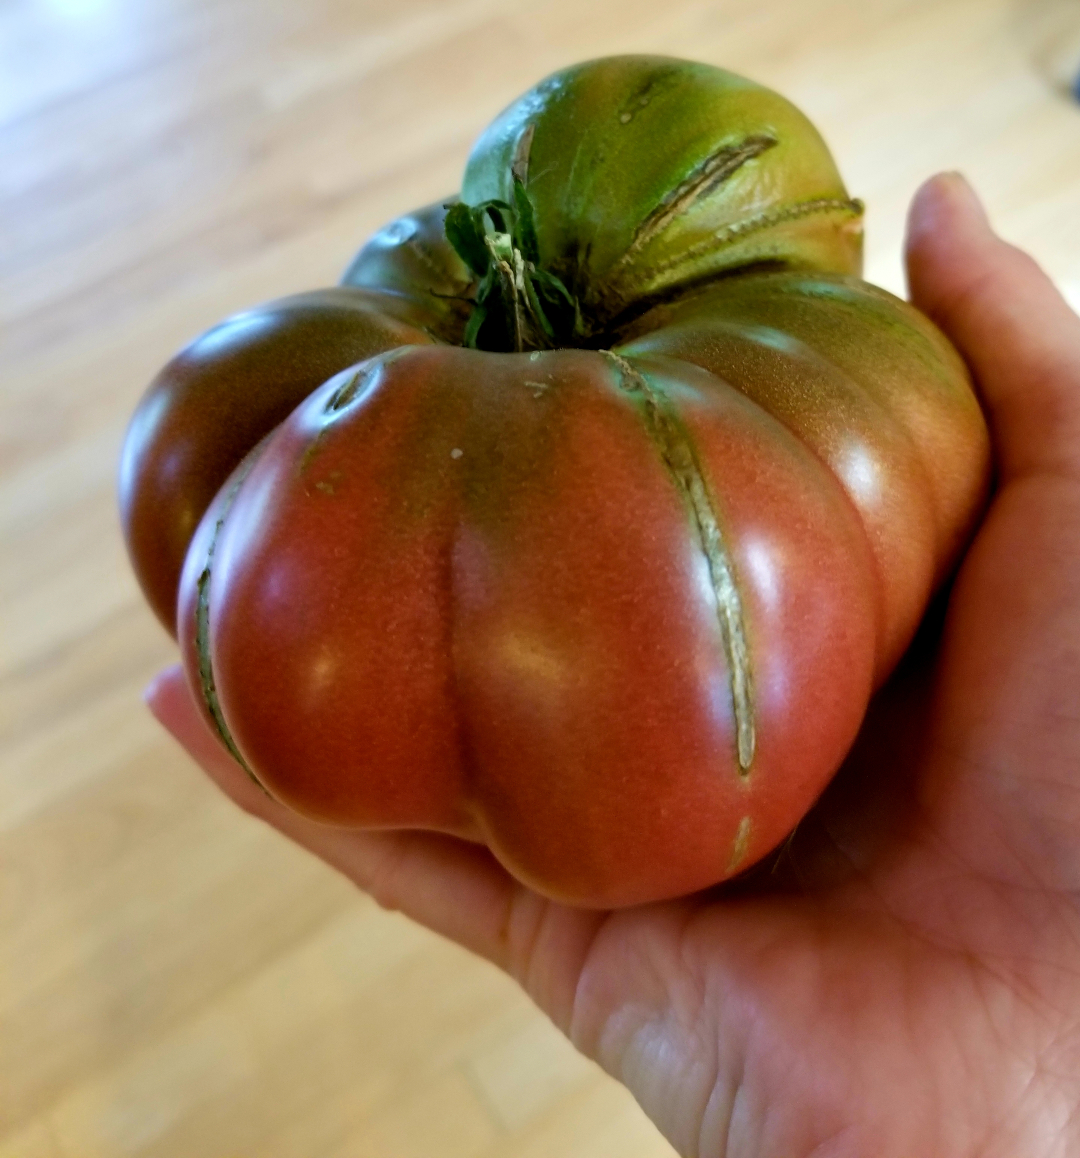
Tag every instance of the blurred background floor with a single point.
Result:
(174, 980)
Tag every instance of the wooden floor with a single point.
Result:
(174, 980)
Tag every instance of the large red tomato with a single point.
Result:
(625, 496)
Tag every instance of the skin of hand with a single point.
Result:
(903, 979)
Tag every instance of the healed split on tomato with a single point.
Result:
(584, 516)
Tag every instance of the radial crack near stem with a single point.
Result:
(706, 177)
(681, 463)
(739, 230)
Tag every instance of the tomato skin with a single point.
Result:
(617, 611)
(224, 391)
(874, 389)
(216, 398)
(530, 655)
(409, 258)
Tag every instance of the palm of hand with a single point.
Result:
(904, 982)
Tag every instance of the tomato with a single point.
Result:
(584, 518)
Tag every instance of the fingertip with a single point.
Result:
(941, 203)
(1006, 318)
(164, 695)
(171, 703)
(946, 225)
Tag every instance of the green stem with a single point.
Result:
(518, 305)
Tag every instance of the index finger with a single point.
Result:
(1013, 327)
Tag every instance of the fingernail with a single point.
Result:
(959, 188)
(941, 198)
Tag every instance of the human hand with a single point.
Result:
(904, 980)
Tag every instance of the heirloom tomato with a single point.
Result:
(583, 518)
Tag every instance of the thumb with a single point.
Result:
(1014, 329)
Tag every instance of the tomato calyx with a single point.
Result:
(518, 305)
